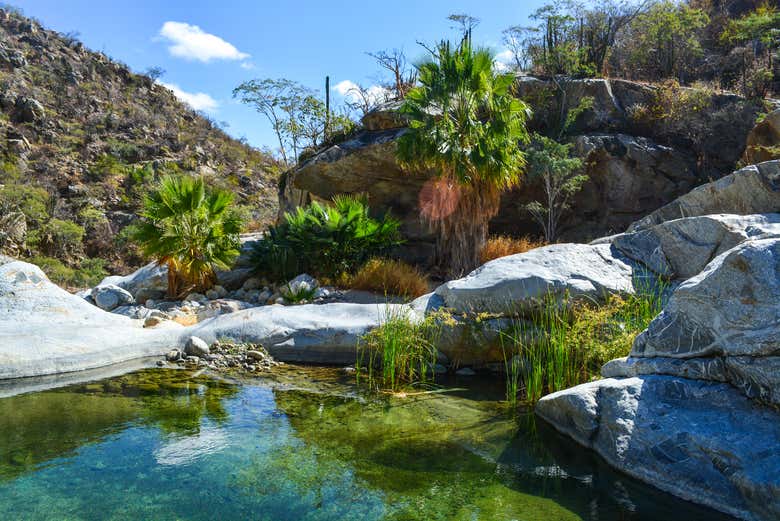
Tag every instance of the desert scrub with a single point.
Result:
(564, 343)
(400, 352)
(502, 245)
(88, 273)
(390, 277)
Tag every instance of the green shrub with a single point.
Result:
(89, 273)
(32, 201)
(107, 166)
(60, 238)
(325, 240)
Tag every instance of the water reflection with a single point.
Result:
(166, 444)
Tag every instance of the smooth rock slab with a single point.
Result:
(46, 330)
(311, 333)
(702, 441)
(518, 282)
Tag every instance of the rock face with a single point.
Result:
(694, 408)
(763, 142)
(752, 190)
(730, 309)
(702, 441)
(681, 248)
(633, 169)
(517, 282)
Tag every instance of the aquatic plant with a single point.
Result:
(563, 343)
(401, 351)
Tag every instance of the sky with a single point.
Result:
(208, 48)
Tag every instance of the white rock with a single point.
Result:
(518, 282)
(109, 297)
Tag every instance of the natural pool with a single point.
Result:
(301, 445)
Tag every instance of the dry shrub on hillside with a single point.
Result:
(502, 245)
(391, 277)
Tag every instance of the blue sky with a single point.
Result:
(207, 48)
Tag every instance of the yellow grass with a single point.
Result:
(502, 245)
(391, 277)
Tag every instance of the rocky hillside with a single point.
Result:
(82, 138)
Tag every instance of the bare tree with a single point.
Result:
(465, 23)
(518, 40)
(403, 75)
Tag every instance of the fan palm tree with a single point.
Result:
(466, 128)
(191, 229)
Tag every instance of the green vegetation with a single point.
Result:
(325, 240)
(465, 127)
(192, 229)
(401, 351)
(89, 272)
(565, 343)
(59, 238)
(560, 174)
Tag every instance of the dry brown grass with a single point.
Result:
(391, 277)
(502, 245)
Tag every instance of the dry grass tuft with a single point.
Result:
(502, 245)
(391, 277)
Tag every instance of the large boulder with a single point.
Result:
(148, 282)
(702, 441)
(46, 330)
(732, 308)
(682, 248)
(763, 142)
(515, 283)
(752, 190)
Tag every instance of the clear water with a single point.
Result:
(169, 444)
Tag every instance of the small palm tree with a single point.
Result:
(190, 229)
(466, 127)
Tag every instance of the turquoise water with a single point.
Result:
(171, 444)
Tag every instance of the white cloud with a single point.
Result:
(196, 100)
(247, 66)
(348, 89)
(193, 43)
(504, 61)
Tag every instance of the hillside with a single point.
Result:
(82, 138)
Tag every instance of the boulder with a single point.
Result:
(309, 333)
(46, 330)
(302, 284)
(110, 296)
(681, 248)
(196, 347)
(730, 309)
(763, 142)
(754, 189)
(518, 282)
(702, 441)
(28, 110)
(148, 282)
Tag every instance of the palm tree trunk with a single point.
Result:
(461, 224)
